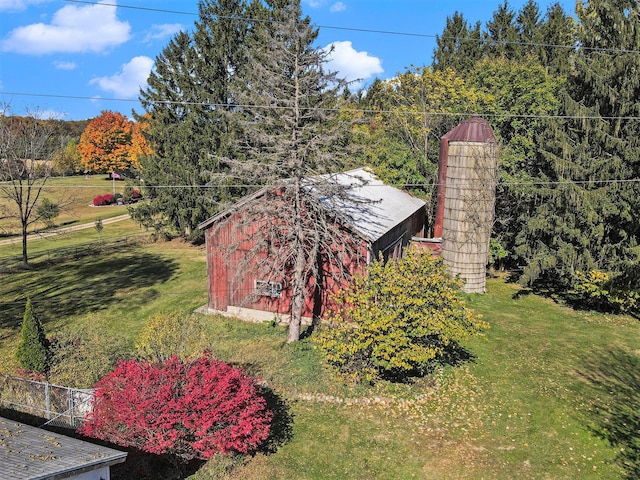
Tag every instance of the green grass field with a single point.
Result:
(76, 194)
(520, 408)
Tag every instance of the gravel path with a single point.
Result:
(36, 236)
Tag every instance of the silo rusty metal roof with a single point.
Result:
(474, 129)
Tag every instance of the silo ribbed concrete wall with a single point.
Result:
(469, 207)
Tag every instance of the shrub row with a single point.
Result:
(129, 196)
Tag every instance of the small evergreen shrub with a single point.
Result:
(33, 347)
(188, 409)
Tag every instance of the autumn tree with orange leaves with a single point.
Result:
(139, 144)
(112, 143)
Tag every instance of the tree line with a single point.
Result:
(561, 95)
(558, 89)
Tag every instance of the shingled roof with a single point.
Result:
(30, 453)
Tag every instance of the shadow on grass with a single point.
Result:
(454, 355)
(281, 430)
(148, 466)
(82, 286)
(613, 377)
(144, 466)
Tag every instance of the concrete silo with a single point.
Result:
(467, 176)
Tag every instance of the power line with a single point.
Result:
(396, 185)
(375, 31)
(332, 109)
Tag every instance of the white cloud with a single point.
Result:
(159, 32)
(127, 83)
(335, 7)
(315, 3)
(92, 28)
(18, 5)
(65, 65)
(352, 65)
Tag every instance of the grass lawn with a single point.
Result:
(520, 409)
(77, 193)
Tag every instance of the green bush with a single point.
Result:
(170, 334)
(79, 358)
(595, 290)
(33, 347)
(396, 320)
(48, 211)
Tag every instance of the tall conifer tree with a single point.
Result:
(587, 216)
(501, 34)
(33, 348)
(559, 39)
(528, 25)
(292, 139)
(459, 47)
(186, 98)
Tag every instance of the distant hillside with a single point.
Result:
(62, 130)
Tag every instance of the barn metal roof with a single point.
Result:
(370, 207)
(474, 129)
(30, 453)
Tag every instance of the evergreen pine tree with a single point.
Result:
(32, 352)
(530, 35)
(559, 39)
(185, 100)
(459, 47)
(501, 35)
(292, 138)
(587, 216)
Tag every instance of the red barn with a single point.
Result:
(380, 219)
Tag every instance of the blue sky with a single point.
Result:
(52, 50)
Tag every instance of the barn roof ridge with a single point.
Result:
(368, 212)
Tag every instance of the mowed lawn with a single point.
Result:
(518, 408)
(75, 195)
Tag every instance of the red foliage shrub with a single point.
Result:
(191, 410)
(136, 194)
(98, 201)
(108, 199)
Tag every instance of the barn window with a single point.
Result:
(268, 289)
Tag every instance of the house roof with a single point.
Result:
(30, 453)
(370, 207)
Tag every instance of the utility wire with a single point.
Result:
(396, 185)
(333, 109)
(371, 30)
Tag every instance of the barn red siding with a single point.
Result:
(232, 273)
(232, 265)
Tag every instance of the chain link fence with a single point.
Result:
(60, 406)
